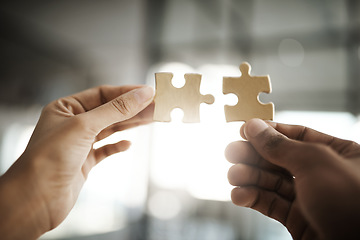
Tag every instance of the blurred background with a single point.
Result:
(172, 183)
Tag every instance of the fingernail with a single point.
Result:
(143, 94)
(254, 127)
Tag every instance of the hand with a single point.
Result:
(39, 190)
(308, 181)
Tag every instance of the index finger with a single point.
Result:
(119, 109)
(306, 134)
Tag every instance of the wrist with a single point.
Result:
(23, 213)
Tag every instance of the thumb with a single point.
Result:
(119, 109)
(295, 156)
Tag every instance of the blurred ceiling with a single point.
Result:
(311, 49)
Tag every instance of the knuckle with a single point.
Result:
(121, 106)
(237, 196)
(347, 145)
(106, 151)
(278, 183)
(256, 197)
(272, 206)
(64, 105)
(50, 106)
(231, 175)
(350, 143)
(246, 197)
(318, 148)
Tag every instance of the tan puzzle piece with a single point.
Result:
(188, 98)
(247, 88)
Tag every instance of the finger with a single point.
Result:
(273, 206)
(110, 149)
(142, 118)
(117, 128)
(295, 156)
(244, 152)
(301, 133)
(242, 133)
(145, 115)
(119, 109)
(245, 175)
(268, 203)
(343, 147)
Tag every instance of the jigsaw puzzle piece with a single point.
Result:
(188, 98)
(192, 98)
(247, 88)
(163, 86)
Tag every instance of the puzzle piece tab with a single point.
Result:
(188, 98)
(247, 88)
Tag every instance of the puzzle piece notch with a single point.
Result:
(247, 88)
(188, 98)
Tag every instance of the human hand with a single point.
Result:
(307, 180)
(40, 189)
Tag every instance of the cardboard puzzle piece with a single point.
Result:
(247, 88)
(188, 98)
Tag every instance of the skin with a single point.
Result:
(42, 186)
(307, 180)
